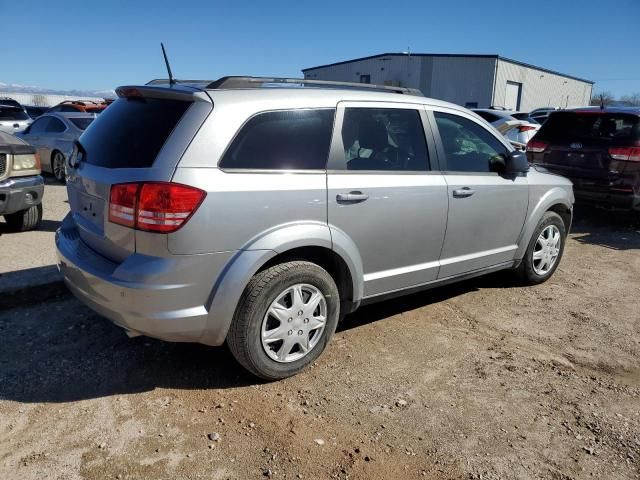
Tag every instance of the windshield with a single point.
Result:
(13, 113)
(81, 123)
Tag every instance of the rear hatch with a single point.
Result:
(140, 137)
(13, 119)
(579, 144)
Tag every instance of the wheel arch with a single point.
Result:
(311, 241)
(555, 200)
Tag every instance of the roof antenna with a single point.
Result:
(166, 61)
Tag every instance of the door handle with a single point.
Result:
(351, 197)
(463, 192)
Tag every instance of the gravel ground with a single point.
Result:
(20, 251)
(484, 379)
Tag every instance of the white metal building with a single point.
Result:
(468, 80)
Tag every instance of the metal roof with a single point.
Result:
(459, 55)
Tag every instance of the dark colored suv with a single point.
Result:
(598, 150)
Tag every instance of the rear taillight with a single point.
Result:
(154, 206)
(627, 154)
(122, 204)
(536, 146)
(525, 128)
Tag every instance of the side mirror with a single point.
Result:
(517, 162)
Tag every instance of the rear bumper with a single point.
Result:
(20, 193)
(609, 199)
(164, 298)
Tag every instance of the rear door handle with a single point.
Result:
(463, 192)
(351, 197)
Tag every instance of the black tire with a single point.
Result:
(526, 269)
(245, 334)
(24, 220)
(59, 173)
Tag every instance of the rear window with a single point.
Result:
(131, 132)
(489, 117)
(524, 116)
(570, 126)
(81, 123)
(13, 113)
(282, 140)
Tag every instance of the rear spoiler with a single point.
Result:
(175, 92)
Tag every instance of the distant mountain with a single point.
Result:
(14, 87)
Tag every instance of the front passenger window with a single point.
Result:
(469, 147)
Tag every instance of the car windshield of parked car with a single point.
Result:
(81, 123)
(13, 113)
(572, 126)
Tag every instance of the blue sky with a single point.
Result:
(68, 44)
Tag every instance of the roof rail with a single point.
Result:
(165, 81)
(260, 82)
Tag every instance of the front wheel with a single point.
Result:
(284, 320)
(544, 251)
(24, 220)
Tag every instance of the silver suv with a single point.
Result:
(236, 211)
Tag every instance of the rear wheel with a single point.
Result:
(545, 250)
(284, 320)
(58, 167)
(24, 220)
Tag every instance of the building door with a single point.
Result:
(513, 96)
(365, 78)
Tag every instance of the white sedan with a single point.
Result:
(516, 126)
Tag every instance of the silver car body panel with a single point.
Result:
(185, 286)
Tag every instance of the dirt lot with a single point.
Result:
(480, 380)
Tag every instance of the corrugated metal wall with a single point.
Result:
(44, 100)
(460, 80)
(463, 80)
(396, 70)
(540, 88)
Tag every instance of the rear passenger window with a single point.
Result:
(388, 139)
(55, 126)
(469, 147)
(283, 140)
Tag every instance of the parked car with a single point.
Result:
(520, 131)
(223, 211)
(541, 115)
(34, 111)
(597, 149)
(54, 134)
(13, 118)
(21, 186)
(79, 106)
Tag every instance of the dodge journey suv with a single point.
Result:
(258, 212)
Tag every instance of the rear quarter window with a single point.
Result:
(131, 132)
(282, 140)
